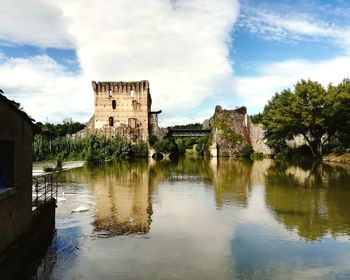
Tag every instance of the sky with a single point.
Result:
(196, 54)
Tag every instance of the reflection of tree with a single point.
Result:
(309, 199)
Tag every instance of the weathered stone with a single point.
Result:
(122, 109)
(231, 130)
(257, 139)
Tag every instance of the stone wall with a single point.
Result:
(16, 133)
(257, 139)
(232, 130)
(122, 105)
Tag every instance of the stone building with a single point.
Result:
(16, 136)
(122, 109)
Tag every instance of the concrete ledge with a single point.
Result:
(14, 262)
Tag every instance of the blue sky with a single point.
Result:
(195, 53)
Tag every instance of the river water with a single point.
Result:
(202, 219)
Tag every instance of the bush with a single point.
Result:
(166, 145)
(257, 156)
(247, 151)
(139, 150)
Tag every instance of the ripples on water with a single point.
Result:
(201, 219)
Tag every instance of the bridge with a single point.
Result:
(188, 132)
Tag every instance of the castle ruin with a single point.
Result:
(122, 109)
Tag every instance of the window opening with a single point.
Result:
(111, 121)
(7, 164)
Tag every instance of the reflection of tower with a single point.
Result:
(122, 201)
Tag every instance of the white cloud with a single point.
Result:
(179, 46)
(255, 91)
(292, 26)
(33, 22)
(45, 89)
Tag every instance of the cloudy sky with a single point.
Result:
(195, 53)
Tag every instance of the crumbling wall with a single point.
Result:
(230, 130)
(257, 139)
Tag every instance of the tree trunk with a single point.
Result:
(309, 144)
(319, 147)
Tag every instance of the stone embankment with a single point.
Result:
(343, 158)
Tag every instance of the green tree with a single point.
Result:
(304, 111)
(338, 107)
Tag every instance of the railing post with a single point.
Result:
(56, 186)
(51, 186)
(45, 183)
(37, 192)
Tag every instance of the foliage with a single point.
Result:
(247, 151)
(166, 145)
(139, 150)
(229, 133)
(52, 131)
(202, 145)
(152, 139)
(92, 149)
(257, 118)
(181, 146)
(257, 156)
(310, 110)
(190, 126)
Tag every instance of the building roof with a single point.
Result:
(14, 105)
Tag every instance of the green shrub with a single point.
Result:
(247, 151)
(257, 156)
(139, 150)
(166, 145)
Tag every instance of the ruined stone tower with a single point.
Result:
(123, 109)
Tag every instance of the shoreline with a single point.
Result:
(334, 158)
(37, 168)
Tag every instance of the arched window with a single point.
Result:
(114, 104)
(111, 121)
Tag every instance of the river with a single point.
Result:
(202, 219)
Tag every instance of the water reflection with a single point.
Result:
(122, 197)
(204, 219)
(311, 199)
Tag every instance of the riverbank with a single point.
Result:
(38, 167)
(333, 157)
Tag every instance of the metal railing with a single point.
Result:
(44, 189)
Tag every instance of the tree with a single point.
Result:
(338, 107)
(304, 111)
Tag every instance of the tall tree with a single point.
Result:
(304, 111)
(338, 108)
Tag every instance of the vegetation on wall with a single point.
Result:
(320, 115)
(229, 134)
